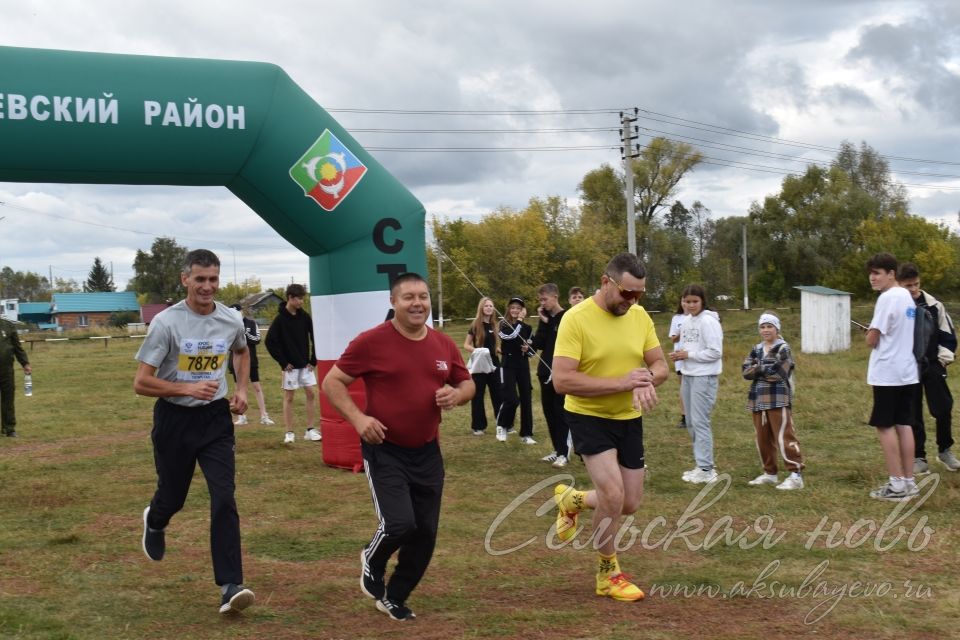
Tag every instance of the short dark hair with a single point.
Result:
(405, 277)
(574, 290)
(201, 258)
(908, 271)
(884, 261)
(548, 289)
(295, 290)
(625, 263)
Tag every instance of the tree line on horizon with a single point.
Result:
(819, 229)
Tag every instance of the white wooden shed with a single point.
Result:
(824, 319)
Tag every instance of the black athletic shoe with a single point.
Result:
(154, 543)
(370, 584)
(396, 610)
(10, 434)
(236, 598)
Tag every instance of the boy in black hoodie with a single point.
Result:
(290, 343)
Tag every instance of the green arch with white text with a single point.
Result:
(121, 119)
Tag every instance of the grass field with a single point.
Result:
(738, 562)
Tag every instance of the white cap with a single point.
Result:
(769, 318)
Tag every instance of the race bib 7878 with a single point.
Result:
(201, 359)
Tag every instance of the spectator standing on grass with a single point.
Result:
(933, 379)
(769, 367)
(893, 375)
(516, 389)
(290, 342)
(701, 351)
(608, 361)
(10, 350)
(411, 373)
(482, 334)
(544, 341)
(182, 364)
(252, 333)
(575, 296)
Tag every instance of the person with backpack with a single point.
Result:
(769, 367)
(893, 375)
(938, 354)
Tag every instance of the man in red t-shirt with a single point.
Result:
(411, 373)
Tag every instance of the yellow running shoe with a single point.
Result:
(566, 519)
(619, 587)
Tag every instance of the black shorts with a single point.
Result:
(254, 372)
(593, 435)
(894, 405)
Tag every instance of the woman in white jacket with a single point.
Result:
(701, 350)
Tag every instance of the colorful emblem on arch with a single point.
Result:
(328, 171)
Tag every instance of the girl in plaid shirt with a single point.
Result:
(769, 367)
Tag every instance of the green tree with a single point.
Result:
(23, 285)
(120, 319)
(721, 269)
(65, 285)
(911, 239)
(232, 293)
(798, 235)
(99, 278)
(870, 172)
(656, 175)
(670, 266)
(602, 197)
(157, 273)
(503, 255)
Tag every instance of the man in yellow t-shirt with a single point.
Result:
(608, 362)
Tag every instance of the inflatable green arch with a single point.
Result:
(120, 119)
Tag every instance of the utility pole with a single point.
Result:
(746, 294)
(628, 152)
(440, 285)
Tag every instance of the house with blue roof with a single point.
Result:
(37, 313)
(82, 310)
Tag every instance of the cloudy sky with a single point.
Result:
(522, 97)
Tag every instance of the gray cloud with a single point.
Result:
(701, 60)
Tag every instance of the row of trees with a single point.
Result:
(29, 286)
(156, 279)
(819, 229)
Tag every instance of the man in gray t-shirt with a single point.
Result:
(183, 360)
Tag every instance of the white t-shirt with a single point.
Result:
(675, 324)
(892, 363)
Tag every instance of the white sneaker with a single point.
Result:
(501, 434)
(560, 462)
(549, 458)
(241, 420)
(527, 440)
(686, 474)
(702, 477)
(792, 481)
(265, 419)
(312, 434)
(764, 478)
(478, 432)
(948, 460)
(287, 439)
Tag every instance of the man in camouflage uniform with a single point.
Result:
(9, 349)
